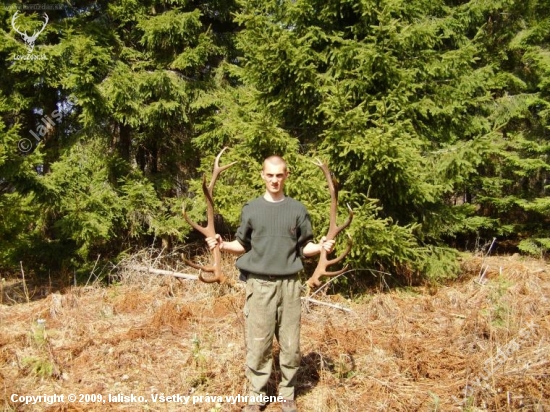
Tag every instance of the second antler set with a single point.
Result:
(333, 231)
(209, 230)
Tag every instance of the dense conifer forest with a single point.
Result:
(433, 116)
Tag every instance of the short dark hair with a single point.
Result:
(276, 160)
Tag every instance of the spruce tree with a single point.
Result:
(110, 175)
(405, 100)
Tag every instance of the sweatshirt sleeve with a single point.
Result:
(305, 233)
(244, 232)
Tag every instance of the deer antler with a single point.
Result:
(333, 231)
(209, 230)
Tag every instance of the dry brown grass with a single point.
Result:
(465, 346)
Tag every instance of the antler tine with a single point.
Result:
(209, 205)
(334, 230)
(209, 230)
(338, 259)
(317, 162)
(217, 170)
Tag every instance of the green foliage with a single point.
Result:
(43, 368)
(19, 232)
(409, 104)
(111, 173)
(537, 247)
(433, 116)
(82, 202)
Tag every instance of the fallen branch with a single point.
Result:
(195, 277)
(162, 272)
(332, 305)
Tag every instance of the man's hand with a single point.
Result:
(214, 241)
(312, 249)
(229, 247)
(328, 245)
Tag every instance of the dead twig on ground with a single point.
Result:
(148, 269)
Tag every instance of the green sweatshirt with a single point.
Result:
(273, 235)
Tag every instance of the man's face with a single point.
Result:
(274, 176)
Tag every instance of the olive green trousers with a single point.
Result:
(272, 308)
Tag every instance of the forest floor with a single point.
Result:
(480, 343)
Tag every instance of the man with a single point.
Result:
(274, 234)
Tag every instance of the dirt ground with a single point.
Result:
(479, 344)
